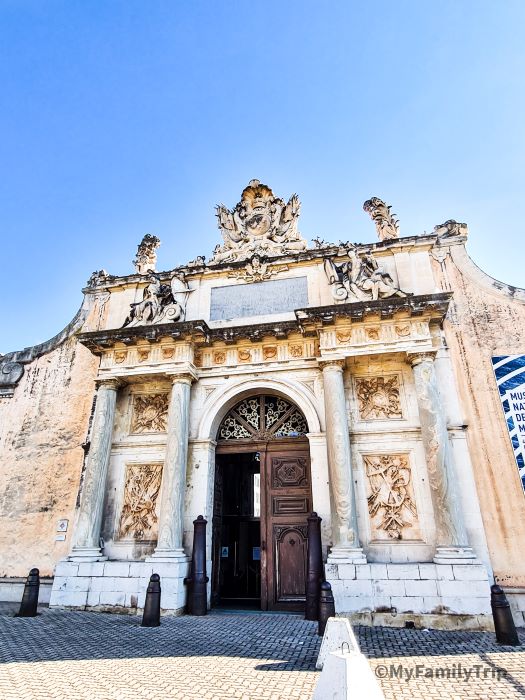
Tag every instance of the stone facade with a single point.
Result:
(383, 350)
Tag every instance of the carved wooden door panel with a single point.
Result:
(288, 502)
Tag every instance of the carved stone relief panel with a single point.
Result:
(378, 397)
(138, 517)
(150, 413)
(390, 497)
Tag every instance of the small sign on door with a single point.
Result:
(224, 552)
(256, 553)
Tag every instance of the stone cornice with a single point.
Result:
(311, 254)
(435, 304)
(308, 322)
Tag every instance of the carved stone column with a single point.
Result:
(451, 536)
(169, 545)
(344, 529)
(87, 531)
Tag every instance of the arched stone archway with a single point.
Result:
(218, 404)
(204, 448)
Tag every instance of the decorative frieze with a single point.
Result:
(150, 413)
(375, 338)
(391, 502)
(378, 398)
(138, 518)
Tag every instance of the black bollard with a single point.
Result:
(29, 603)
(197, 580)
(314, 568)
(326, 606)
(151, 614)
(503, 623)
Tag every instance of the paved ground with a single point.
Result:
(92, 656)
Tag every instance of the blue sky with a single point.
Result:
(121, 118)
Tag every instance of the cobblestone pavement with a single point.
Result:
(77, 656)
(95, 656)
(420, 664)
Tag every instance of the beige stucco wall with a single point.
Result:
(42, 428)
(486, 318)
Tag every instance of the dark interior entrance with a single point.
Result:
(262, 499)
(237, 530)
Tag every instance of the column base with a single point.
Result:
(86, 554)
(168, 555)
(455, 555)
(343, 554)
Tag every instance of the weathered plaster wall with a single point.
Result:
(487, 318)
(42, 428)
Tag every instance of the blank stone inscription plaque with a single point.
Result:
(258, 299)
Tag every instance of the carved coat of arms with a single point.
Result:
(260, 223)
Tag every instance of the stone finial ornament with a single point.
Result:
(387, 226)
(260, 223)
(450, 228)
(359, 278)
(146, 258)
(161, 303)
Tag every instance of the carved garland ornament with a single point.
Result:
(138, 519)
(378, 398)
(150, 413)
(391, 496)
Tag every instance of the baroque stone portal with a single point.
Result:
(260, 223)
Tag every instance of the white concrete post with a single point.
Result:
(346, 546)
(451, 535)
(87, 531)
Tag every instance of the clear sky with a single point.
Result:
(125, 117)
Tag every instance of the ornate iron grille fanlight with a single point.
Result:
(262, 418)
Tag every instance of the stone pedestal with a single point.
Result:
(451, 535)
(87, 531)
(171, 523)
(344, 526)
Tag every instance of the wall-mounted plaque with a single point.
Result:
(62, 525)
(258, 299)
(510, 378)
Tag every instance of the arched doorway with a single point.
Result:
(262, 499)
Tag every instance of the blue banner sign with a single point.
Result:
(510, 378)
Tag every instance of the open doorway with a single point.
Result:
(237, 531)
(262, 499)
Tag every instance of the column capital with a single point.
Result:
(416, 358)
(185, 376)
(110, 383)
(338, 362)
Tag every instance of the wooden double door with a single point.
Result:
(278, 558)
